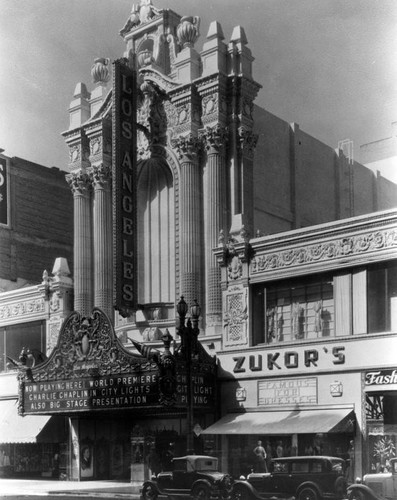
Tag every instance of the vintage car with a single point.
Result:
(304, 478)
(380, 486)
(193, 476)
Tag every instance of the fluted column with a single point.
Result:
(215, 218)
(103, 276)
(83, 291)
(190, 219)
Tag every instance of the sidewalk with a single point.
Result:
(86, 489)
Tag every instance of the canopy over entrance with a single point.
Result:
(285, 422)
(29, 429)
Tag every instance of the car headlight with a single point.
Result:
(358, 480)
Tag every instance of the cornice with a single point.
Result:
(328, 229)
(207, 85)
(358, 243)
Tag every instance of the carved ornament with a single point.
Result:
(100, 70)
(328, 251)
(87, 347)
(248, 141)
(101, 175)
(152, 121)
(140, 14)
(22, 308)
(74, 153)
(188, 31)
(96, 146)
(214, 138)
(235, 317)
(187, 147)
(79, 182)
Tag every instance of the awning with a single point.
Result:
(17, 429)
(285, 422)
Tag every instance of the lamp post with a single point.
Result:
(188, 334)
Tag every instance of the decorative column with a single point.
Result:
(215, 218)
(247, 140)
(190, 218)
(103, 264)
(81, 187)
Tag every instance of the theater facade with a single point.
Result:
(126, 412)
(176, 175)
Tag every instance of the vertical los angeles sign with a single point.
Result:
(124, 187)
(3, 192)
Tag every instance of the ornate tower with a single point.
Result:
(194, 167)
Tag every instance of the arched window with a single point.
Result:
(156, 233)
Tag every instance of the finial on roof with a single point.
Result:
(215, 31)
(100, 70)
(239, 35)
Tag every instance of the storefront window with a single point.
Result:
(381, 414)
(14, 337)
(294, 310)
(382, 298)
(352, 302)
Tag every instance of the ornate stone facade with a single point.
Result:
(197, 171)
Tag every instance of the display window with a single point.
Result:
(381, 416)
(13, 338)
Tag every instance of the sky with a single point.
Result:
(328, 65)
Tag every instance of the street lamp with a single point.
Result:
(188, 334)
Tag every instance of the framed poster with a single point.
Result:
(86, 460)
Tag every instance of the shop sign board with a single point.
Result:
(331, 355)
(3, 192)
(287, 391)
(113, 392)
(375, 378)
(124, 177)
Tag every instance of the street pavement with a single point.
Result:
(22, 488)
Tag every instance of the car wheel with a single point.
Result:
(149, 492)
(240, 494)
(356, 495)
(308, 493)
(201, 492)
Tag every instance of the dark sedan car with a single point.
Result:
(305, 478)
(193, 476)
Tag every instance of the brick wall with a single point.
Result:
(41, 222)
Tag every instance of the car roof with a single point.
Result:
(194, 458)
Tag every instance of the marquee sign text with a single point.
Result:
(124, 187)
(113, 392)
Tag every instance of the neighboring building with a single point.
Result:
(36, 221)
(308, 360)
(381, 156)
(36, 228)
(212, 169)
